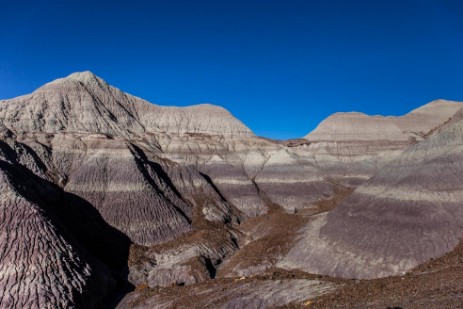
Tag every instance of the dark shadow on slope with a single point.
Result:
(80, 223)
(158, 169)
(141, 159)
(210, 267)
(212, 184)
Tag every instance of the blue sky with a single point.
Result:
(279, 66)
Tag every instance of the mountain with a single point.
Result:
(97, 149)
(103, 192)
(85, 103)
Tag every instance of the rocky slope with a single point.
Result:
(104, 190)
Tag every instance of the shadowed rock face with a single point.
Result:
(407, 213)
(46, 260)
(88, 171)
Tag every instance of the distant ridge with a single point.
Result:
(358, 126)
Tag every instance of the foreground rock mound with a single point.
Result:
(46, 261)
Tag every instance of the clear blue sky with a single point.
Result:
(279, 66)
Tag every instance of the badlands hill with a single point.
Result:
(103, 193)
(406, 214)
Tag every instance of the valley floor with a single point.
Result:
(436, 284)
